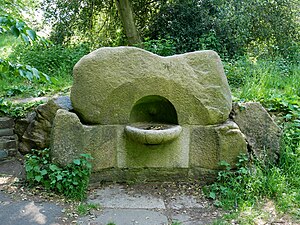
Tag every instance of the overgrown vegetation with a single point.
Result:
(274, 83)
(71, 180)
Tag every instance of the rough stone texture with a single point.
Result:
(262, 134)
(232, 142)
(118, 198)
(3, 154)
(169, 155)
(211, 144)
(67, 142)
(6, 132)
(8, 142)
(153, 136)
(101, 142)
(34, 130)
(193, 82)
(6, 122)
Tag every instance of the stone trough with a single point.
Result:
(147, 118)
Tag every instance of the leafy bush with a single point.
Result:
(71, 180)
(55, 60)
(25, 71)
(232, 28)
(162, 47)
(17, 110)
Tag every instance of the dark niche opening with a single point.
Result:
(153, 109)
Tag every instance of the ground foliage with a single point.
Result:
(71, 180)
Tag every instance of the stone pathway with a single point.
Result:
(131, 205)
(120, 204)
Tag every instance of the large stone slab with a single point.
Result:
(211, 144)
(6, 122)
(34, 131)
(116, 197)
(126, 217)
(262, 134)
(109, 81)
(67, 137)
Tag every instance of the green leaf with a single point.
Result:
(53, 167)
(20, 26)
(31, 34)
(25, 38)
(15, 31)
(35, 73)
(76, 161)
(59, 177)
(38, 178)
(212, 195)
(3, 20)
(44, 172)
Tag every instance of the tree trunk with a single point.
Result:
(126, 15)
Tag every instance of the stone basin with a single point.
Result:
(152, 134)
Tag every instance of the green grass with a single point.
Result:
(84, 208)
(55, 61)
(276, 84)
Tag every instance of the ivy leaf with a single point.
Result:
(212, 195)
(76, 161)
(44, 172)
(38, 178)
(20, 26)
(53, 167)
(59, 177)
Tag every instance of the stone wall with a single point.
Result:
(8, 140)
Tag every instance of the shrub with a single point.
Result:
(162, 47)
(71, 180)
(55, 60)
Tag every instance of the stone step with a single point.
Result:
(6, 132)
(8, 142)
(6, 122)
(3, 154)
(6, 153)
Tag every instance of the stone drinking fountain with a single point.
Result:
(145, 117)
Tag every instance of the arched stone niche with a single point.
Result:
(153, 109)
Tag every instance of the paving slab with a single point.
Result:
(184, 201)
(27, 212)
(127, 217)
(116, 197)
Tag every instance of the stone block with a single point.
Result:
(6, 122)
(211, 144)
(262, 133)
(194, 83)
(232, 142)
(6, 132)
(3, 154)
(101, 142)
(168, 155)
(6, 143)
(204, 148)
(67, 137)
